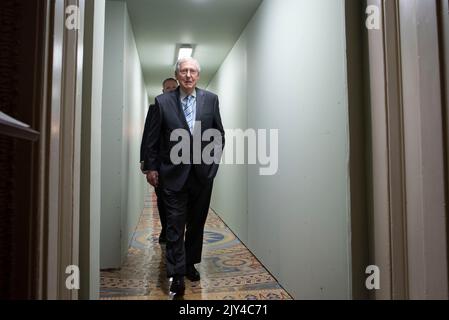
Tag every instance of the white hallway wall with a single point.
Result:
(136, 105)
(288, 72)
(125, 100)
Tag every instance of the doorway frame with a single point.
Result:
(59, 167)
(408, 237)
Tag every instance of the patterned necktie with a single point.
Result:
(187, 106)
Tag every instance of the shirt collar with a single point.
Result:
(183, 94)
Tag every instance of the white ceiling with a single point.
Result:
(212, 26)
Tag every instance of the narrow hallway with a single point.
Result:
(229, 271)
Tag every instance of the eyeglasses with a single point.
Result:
(184, 72)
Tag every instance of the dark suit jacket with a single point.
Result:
(169, 116)
(145, 131)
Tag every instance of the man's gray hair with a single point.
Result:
(182, 60)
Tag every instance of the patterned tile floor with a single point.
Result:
(228, 270)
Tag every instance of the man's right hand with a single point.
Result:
(153, 178)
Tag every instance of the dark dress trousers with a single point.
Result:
(186, 187)
(160, 202)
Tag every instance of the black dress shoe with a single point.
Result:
(177, 286)
(192, 274)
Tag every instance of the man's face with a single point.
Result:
(187, 76)
(169, 86)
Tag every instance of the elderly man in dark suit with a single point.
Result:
(186, 186)
(168, 85)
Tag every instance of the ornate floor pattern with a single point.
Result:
(228, 270)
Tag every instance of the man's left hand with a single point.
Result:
(153, 178)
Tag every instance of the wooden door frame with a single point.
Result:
(387, 215)
(60, 152)
(443, 9)
(424, 149)
(408, 223)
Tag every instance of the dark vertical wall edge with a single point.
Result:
(356, 62)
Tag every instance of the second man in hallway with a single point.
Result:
(186, 187)
(168, 85)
